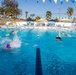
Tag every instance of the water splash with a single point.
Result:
(4, 41)
(59, 34)
(16, 43)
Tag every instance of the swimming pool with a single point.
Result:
(57, 58)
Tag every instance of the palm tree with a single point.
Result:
(32, 16)
(74, 19)
(56, 19)
(70, 11)
(37, 18)
(17, 13)
(26, 14)
(48, 15)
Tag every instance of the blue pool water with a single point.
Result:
(57, 58)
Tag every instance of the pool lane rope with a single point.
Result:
(38, 38)
(68, 35)
(38, 41)
(7, 35)
(38, 33)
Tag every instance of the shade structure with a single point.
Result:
(15, 20)
(65, 20)
(52, 20)
(40, 20)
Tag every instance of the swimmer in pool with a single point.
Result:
(58, 38)
(8, 46)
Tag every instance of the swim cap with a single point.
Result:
(8, 46)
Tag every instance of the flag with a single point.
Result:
(37, 1)
(61, 1)
(43, 1)
(55, 1)
(25, 0)
(50, 1)
(72, 1)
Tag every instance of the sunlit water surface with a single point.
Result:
(58, 58)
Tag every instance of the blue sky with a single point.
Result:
(40, 8)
